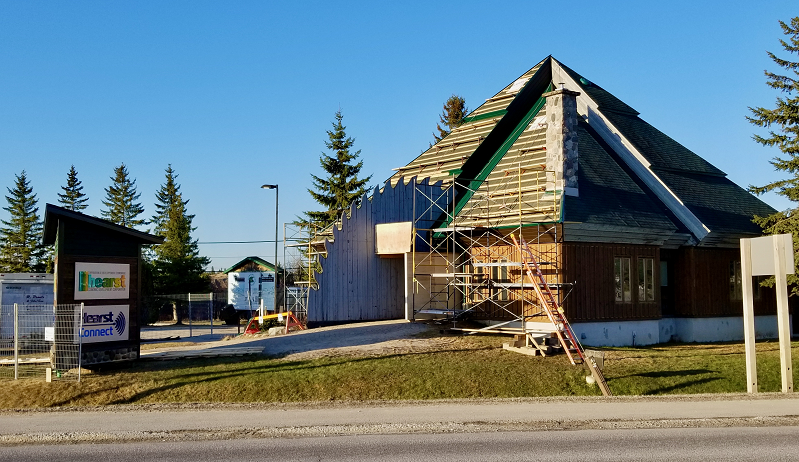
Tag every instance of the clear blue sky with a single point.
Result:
(235, 94)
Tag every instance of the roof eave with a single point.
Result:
(53, 212)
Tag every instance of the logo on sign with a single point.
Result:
(88, 281)
(101, 280)
(104, 324)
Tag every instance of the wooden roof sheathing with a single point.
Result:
(633, 178)
(515, 189)
(454, 149)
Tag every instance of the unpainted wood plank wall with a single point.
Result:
(355, 284)
(433, 292)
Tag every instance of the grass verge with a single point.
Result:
(473, 367)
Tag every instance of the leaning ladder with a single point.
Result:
(574, 351)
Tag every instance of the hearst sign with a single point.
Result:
(98, 264)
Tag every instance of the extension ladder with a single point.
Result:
(574, 351)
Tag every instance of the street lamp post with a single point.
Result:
(274, 186)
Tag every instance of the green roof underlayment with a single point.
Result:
(520, 113)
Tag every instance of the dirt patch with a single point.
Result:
(400, 346)
(351, 340)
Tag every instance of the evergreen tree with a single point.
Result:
(178, 266)
(782, 123)
(121, 198)
(73, 197)
(20, 251)
(452, 116)
(164, 200)
(341, 187)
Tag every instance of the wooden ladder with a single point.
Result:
(574, 351)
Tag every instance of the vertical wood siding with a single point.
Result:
(355, 284)
(590, 267)
(699, 279)
(702, 278)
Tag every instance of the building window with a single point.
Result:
(621, 274)
(646, 279)
(736, 290)
(499, 274)
(736, 285)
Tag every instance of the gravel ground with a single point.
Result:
(361, 339)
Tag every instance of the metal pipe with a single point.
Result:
(190, 314)
(277, 202)
(16, 341)
(80, 341)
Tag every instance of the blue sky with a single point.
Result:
(235, 94)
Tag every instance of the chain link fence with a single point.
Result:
(199, 313)
(40, 341)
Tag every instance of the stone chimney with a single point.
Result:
(562, 141)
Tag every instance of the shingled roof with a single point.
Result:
(636, 184)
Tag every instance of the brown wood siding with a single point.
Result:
(702, 285)
(593, 298)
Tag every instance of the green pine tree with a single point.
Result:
(178, 267)
(782, 123)
(73, 197)
(121, 198)
(452, 116)
(342, 186)
(165, 198)
(20, 249)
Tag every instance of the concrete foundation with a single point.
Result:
(629, 333)
(688, 330)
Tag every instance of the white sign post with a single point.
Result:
(767, 256)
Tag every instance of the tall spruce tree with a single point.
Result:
(178, 266)
(73, 197)
(120, 200)
(164, 200)
(782, 123)
(20, 251)
(452, 116)
(342, 186)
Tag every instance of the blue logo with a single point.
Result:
(103, 325)
(119, 324)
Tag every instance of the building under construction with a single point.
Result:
(635, 236)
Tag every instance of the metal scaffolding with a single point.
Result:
(304, 244)
(465, 263)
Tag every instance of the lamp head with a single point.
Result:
(269, 186)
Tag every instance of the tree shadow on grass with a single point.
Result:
(181, 380)
(681, 386)
(663, 374)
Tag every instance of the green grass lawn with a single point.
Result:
(474, 367)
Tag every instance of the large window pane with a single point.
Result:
(736, 290)
(622, 279)
(641, 279)
(646, 279)
(626, 283)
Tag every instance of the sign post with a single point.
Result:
(749, 316)
(767, 256)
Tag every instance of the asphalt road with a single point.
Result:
(216, 422)
(696, 444)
